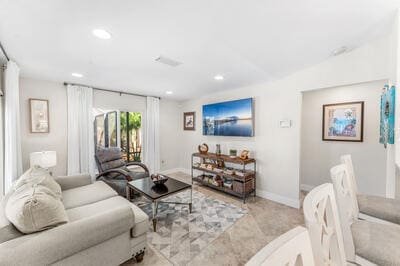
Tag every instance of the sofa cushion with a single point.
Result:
(141, 218)
(80, 196)
(380, 207)
(34, 207)
(73, 181)
(9, 232)
(378, 243)
(16, 242)
(118, 183)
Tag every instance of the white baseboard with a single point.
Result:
(307, 188)
(295, 203)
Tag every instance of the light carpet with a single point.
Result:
(182, 235)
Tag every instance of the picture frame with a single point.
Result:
(231, 118)
(343, 121)
(189, 121)
(39, 115)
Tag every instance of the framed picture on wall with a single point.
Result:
(39, 116)
(343, 122)
(189, 121)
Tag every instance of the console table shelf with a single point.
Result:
(242, 185)
(225, 158)
(229, 191)
(233, 177)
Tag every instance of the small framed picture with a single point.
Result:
(189, 121)
(39, 113)
(343, 121)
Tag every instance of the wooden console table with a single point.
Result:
(242, 185)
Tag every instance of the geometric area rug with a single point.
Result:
(181, 235)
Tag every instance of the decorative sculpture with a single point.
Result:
(203, 148)
(387, 115)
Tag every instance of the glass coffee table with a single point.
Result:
(154, 193)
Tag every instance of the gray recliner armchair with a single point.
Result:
(115, 172)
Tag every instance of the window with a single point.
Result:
(129, 126)
(111, 133)
(105, 127)
(131, 136)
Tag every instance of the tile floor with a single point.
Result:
(264, 221)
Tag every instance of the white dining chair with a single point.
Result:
(365, 242)
(290, 249)
(322, 220)
(371, 208)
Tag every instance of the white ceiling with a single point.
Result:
(247, 42)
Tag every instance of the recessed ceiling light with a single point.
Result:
(102, 34)
(219, 77)
(77, 75)
(169, 92)
(339, 51)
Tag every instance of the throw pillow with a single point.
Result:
(7, 229)
(38, 175)
(34, 207)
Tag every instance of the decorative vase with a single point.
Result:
(218, 150)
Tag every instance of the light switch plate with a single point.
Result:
(285, 123)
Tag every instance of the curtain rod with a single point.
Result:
(120, 92)
(4, 52)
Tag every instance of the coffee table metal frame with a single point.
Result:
(154, 202)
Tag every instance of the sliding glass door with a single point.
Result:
(129, 126)
(131, 136)
(105, 129)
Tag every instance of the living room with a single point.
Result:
(199, 132)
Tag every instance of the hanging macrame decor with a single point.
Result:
(387, 115)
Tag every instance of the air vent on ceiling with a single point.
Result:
(168, 61)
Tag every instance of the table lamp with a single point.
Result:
(44, 159)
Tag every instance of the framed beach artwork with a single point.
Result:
(233, 118)
(39, 112)
(189, 121)
(343, 122)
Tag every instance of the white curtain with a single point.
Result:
(80, 130)
(152, 136)
(12, 137)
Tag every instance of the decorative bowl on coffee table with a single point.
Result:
(159, 179)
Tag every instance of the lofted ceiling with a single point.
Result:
(247, 42)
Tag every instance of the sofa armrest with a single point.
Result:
(63, 241)
(73, 181)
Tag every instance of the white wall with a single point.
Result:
(277, 150)
(1, 134)
(170, 144)
(115, 101)
(57, 138)
(393, 182)
(369, 156)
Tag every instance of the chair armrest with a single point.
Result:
(119, 171)
(63, 241)
(139, 164)
(73, 181)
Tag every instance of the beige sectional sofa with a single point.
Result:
(103, 229)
